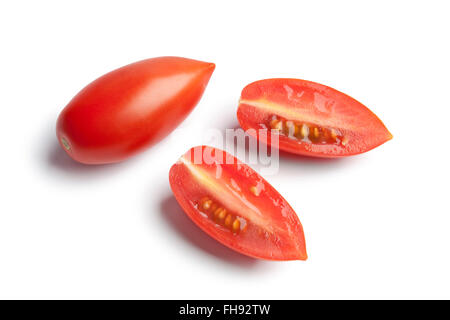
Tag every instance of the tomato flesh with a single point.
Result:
(311, 119)
(131, 108)
(236, 206)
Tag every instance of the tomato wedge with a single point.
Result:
(233, 204)
(131, 108)
(310, 118)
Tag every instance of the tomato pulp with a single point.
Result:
(310, 119)
(131, 108)
(233, 204)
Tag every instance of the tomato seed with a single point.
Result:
(307, 133)
(254, 190)
(221, 216)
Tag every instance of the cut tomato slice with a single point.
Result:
(236, 206)
(310, 118)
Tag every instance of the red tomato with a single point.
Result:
(131, 108)
(236, 206)
(311, 119)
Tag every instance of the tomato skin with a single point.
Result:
(273, 230)
(131, 108)
(315, 104)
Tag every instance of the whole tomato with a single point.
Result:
(131, 108)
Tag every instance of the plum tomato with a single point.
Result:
(310, 119)
(131, 108)
(234, 205)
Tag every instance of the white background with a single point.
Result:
(377, 225)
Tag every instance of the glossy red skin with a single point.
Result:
(325, 104)
(131, 108)
(287, 243)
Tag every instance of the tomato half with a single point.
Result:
(131, 108)
(236, 206)
(310, 118)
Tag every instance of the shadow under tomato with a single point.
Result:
(188, 231)
(313, 166)
(309, 160)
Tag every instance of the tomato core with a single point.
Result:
(65, 144)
